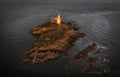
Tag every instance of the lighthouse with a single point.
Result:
(57, 20)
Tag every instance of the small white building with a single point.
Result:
(57, 20)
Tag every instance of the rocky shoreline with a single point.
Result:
(82, 55)
(52, 41)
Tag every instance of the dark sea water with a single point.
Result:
(99, 20)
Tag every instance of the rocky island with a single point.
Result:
(53, 40)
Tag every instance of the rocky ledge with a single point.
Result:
(52, 41)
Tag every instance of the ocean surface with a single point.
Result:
(100, 21)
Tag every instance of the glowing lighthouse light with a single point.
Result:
(58, 19)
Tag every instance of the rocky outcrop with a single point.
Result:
(52, 41)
